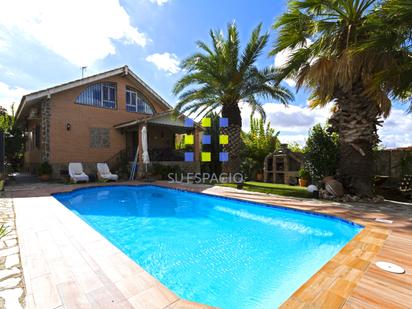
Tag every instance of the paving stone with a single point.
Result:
(11, 235)
(9, 272)
(11, 298)
(8, 237)
(11, 242)
(9, 283)
(9, 251)
(2, 261)
(12, 260)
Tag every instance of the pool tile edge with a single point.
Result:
(95, 261)
(336, 280)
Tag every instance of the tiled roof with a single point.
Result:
(79, 82)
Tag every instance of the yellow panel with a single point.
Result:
(206, 156)
(223, 139)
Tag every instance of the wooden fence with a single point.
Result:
(394, 163)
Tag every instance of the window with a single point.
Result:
(136, 103)
(99, 95)
(29, 141)
(99, 138)
(37, 137)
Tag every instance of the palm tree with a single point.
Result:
(330, 45)
(219, 77)
(392, 32)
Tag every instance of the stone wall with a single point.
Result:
(45, 131)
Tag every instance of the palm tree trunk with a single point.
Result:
(232, 112)
(355, 121)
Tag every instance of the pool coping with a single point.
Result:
(312, 213)
(332, 284)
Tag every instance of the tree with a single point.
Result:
(13, 138)
(391, 27)
(259, 141)
(295, 147)
(320, 152)
(328, 40)
(220, 76)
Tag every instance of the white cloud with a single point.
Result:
(159, 2)
(10, 95)
(80, 31)
(280, 60)
(3, 45)
(294, 123)
(165, 62)
(397, 129)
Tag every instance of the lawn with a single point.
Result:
(273, 188)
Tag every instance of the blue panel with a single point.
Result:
(189, 122)
(206, 139)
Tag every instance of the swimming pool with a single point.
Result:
(217, 251)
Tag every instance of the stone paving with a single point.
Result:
(12, 292)
(67, 264)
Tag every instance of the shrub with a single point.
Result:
(249, 168)
(164, 170)
(259, 142)
(45, 169)
(13, 139)
(295, 147)
(321, 153)
(303, 173)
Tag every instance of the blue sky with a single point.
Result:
(45, 42)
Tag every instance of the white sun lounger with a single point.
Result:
(104, 173)
(76, 173)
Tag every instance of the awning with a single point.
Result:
(166, 118)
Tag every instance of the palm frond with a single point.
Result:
(219, 76)
(363, 42)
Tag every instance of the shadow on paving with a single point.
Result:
(401, 214)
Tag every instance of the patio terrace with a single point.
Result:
(67, 264)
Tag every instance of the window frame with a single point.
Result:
(103, 103)
(37, 136)
(138, 95)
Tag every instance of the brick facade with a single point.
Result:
(65, 127)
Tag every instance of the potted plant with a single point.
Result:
(303, 177)
(259, 175)
(45, 171)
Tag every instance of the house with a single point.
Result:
(99, 119)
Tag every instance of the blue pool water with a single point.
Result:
(217, 251)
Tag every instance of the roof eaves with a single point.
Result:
(79, 82)
(65, 86)
(148, 88)
(149, 118)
